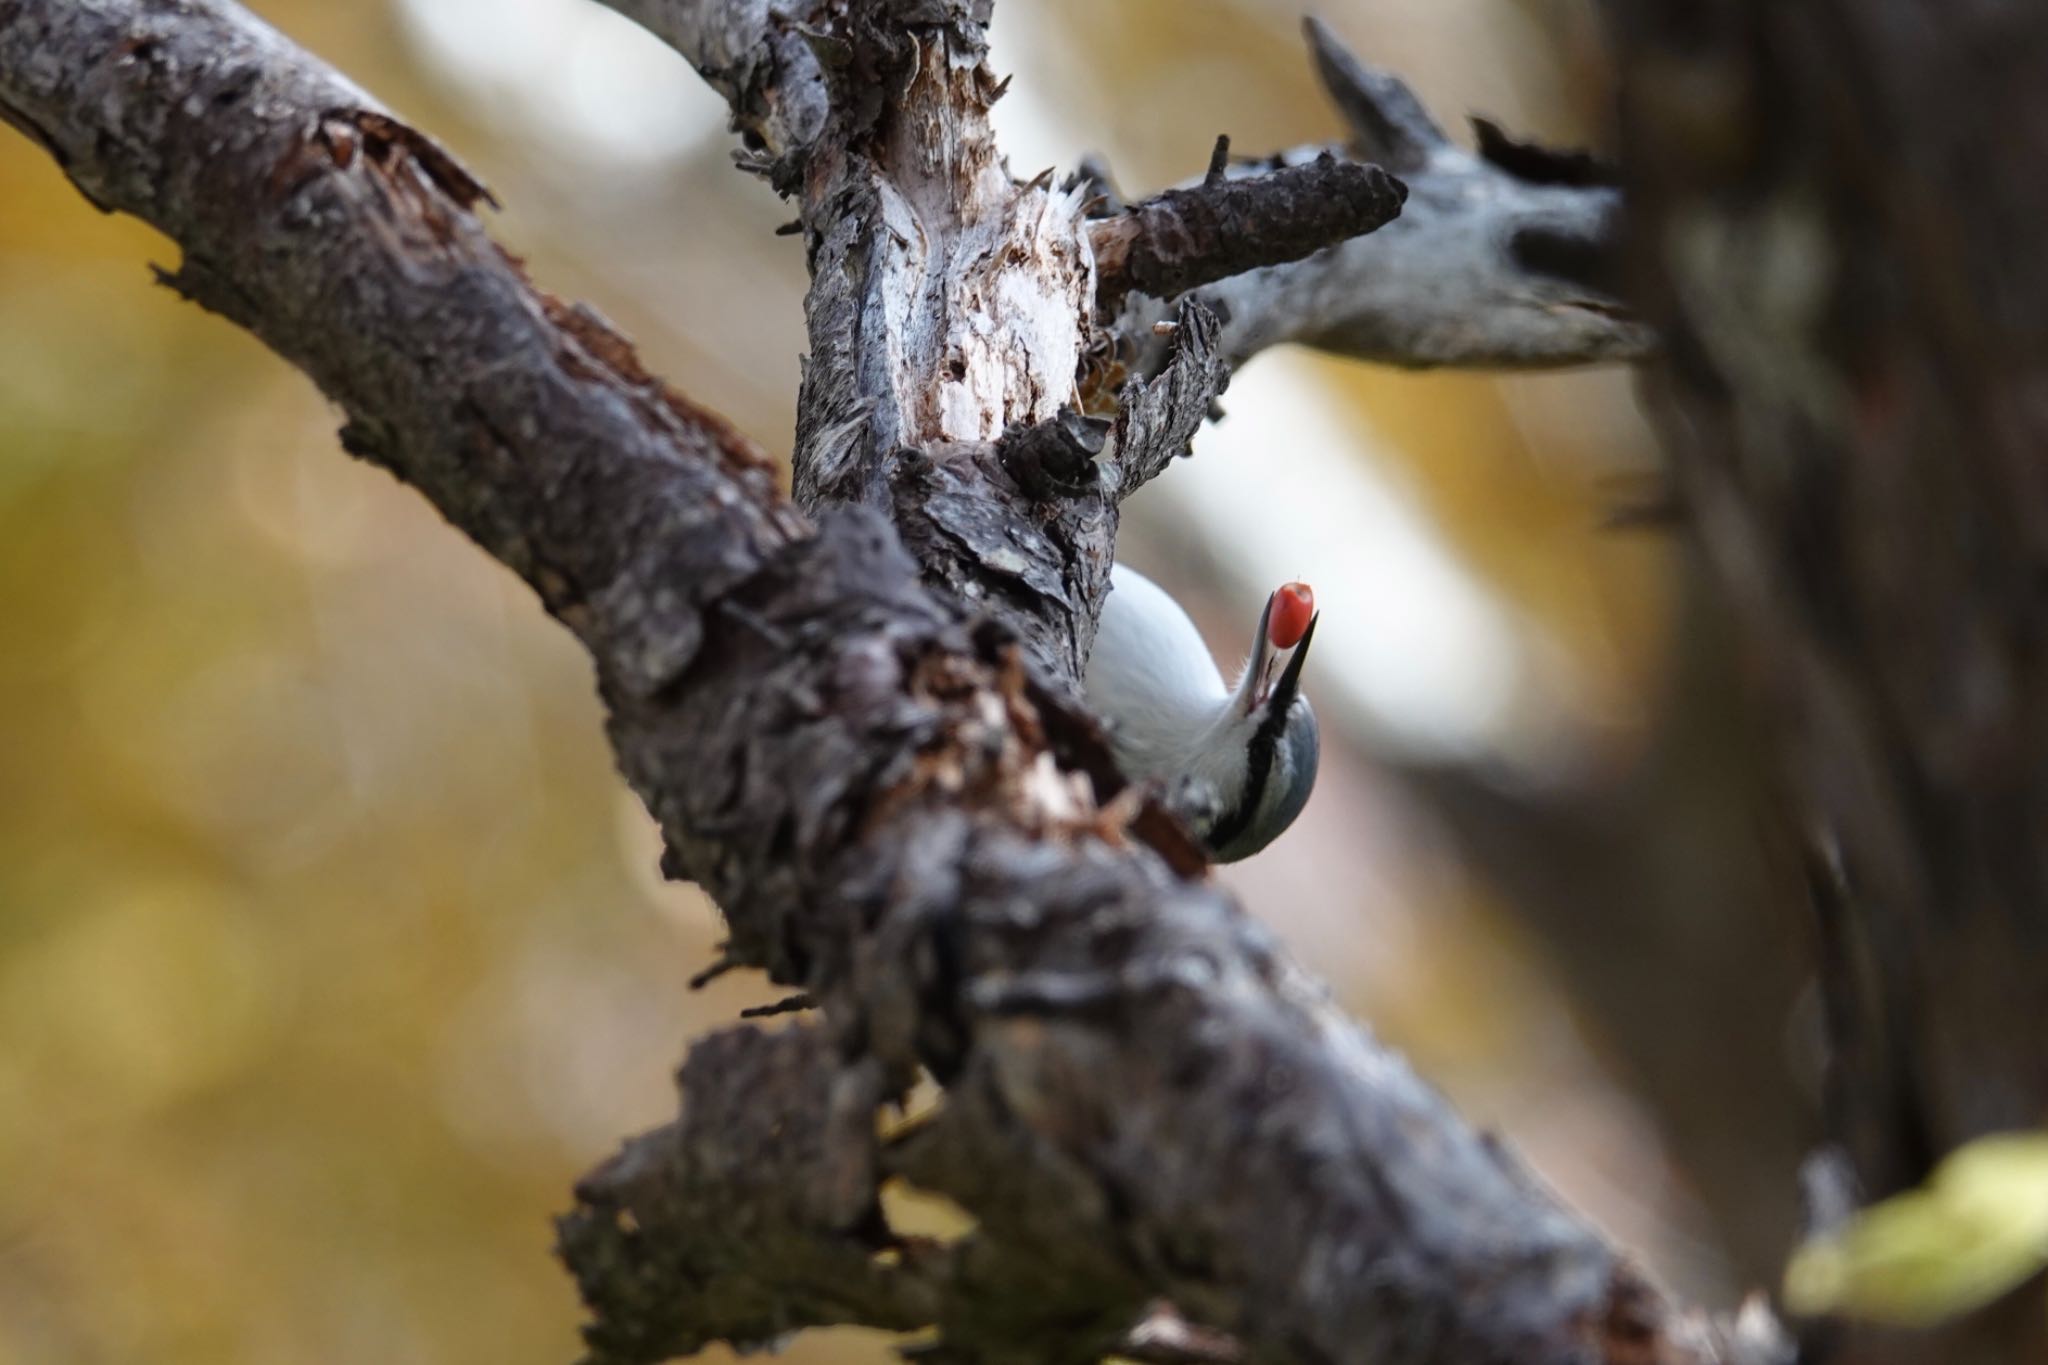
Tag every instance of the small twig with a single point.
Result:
(755, 163)
(1219, 160)
(717, 969)
(1540, 165)
(791, 1004)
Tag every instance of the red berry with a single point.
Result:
(1293, 606)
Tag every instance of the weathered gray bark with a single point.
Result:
(884, 785)
(1507, 257)
(1840, 206)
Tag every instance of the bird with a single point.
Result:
(1236, 762)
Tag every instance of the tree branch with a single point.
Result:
(897, 814)
(1495, 260)
(763, 56)
(753, 1215)
(1161, 415)
(1223, 226)
(1501, 258)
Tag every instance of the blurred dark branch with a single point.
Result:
(1839, 206)
(1500, 258)
(899, 813)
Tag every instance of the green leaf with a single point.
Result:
(1975, 1230)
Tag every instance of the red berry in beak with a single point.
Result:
(1293, 607)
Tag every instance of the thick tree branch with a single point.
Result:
(1186, 238)
(1499, 258)
(896, 814)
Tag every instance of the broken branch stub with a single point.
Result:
(1185, 238)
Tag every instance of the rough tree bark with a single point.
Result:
(1506, 256)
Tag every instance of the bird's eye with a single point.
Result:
(1294, 605)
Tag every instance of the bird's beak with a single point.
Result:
(1289, 684)
(1262, 659)
(1265, 690)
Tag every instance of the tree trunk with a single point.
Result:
(1838, 209)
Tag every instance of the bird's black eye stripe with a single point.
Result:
(1259, 755)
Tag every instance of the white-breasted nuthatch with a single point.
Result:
(1237, 762)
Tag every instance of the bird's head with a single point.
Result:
(1268, 732)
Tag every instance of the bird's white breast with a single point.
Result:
(1152, 672)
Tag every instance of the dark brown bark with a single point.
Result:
(1840, 206)
(1184, 239)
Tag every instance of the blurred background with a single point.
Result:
(332, 949)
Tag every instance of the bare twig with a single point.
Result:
(789, 1004)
